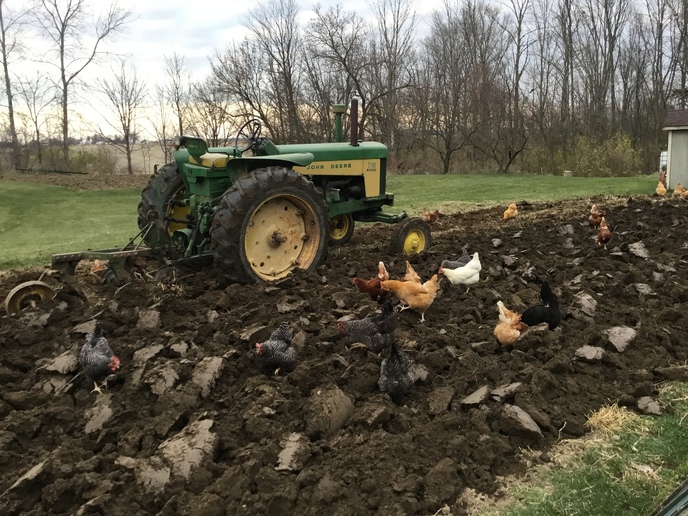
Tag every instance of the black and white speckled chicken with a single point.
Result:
(375, 333)
(460, 262)
(276, 354)
(97, 358)
(547, 312)
(395, 374)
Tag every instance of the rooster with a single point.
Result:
(395, 374)
(661, 189)
(97, 358)
(509, 328)
(372, 286)
(604, 234)
(467, 275)
(411, 274)
(596, 216)
(511, 212)
(430, 216)
(375, 333)
(414, 295)
(276, 353)
(547, 312)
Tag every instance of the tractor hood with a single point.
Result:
(337, 151)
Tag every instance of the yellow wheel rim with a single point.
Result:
(414, 242)
(339, 227)
(177, 212)
(283, 233)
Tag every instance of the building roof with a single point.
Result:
(676, 118)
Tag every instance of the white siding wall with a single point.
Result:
(677, 167)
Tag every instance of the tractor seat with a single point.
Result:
(211, 159)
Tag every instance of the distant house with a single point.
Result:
(676, 123)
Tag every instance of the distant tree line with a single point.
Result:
(525, 85)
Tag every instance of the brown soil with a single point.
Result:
(110, 454)
(80, 181)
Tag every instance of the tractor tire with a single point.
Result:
(267, 224)
(167, 183)
(411, 236)
(341, 229)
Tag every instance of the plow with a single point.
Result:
(255, 210)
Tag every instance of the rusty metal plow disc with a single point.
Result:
(27, 294)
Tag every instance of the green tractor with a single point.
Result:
(258, 210)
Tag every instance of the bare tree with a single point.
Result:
(244, 81)
(177, 87)
(275, 28)
(162, 123)
(338, 63)
(441, 86)
(36, 98)
(125, 94)
(10, 36)
(393, 52)
(210, 112)
(65, 22)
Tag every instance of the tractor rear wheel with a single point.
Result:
(411, 236)
(341, 229)
(164, 188)
(267, 224)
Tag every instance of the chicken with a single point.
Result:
(596, 216)
(511, 212)
(684, 194)
(395, 374)
(678, 190)
(660, 190)
(97, 358)
(276, 353)
(382, 271)
(455, 264)
(375, 333)
(372, 286)
(430, 216)
(415, 296)
(509, 327)
(604, 234)
(467, 275)
(411, 274)
(547, 312)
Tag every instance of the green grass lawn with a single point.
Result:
(457, 192)
(39, 220)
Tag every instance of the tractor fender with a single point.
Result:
(298, 159)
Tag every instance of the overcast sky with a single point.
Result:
(195, 29)
(192, 29)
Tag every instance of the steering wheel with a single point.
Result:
(250, 132)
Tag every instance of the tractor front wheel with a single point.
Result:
(267, 224)
(341, 229)
(411, 236)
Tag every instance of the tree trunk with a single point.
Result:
(8, 91)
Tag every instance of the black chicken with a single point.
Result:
(276, 354)
(395, 374)
(547, 312)
(376, 333)
(97, 358)
(455, 264)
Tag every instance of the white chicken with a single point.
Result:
(467, 275)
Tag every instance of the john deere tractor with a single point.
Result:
(258, 210)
